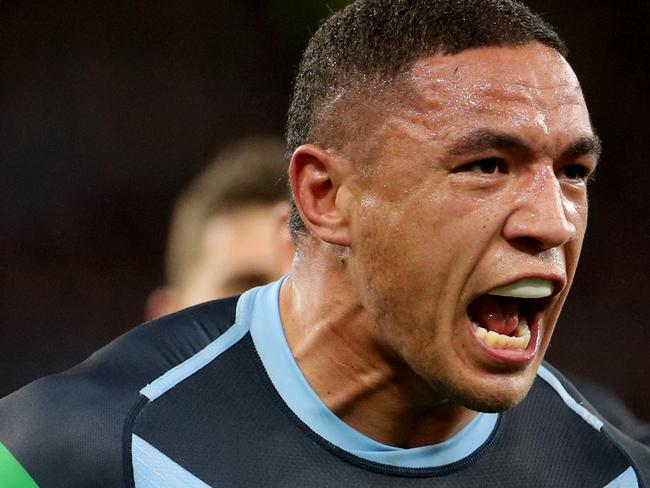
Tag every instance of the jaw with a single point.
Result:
(497, 378)
(463, 370)
(479, 387)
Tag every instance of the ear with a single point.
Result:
(161, 301)
(317, 180)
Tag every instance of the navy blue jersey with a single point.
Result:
(211, 396)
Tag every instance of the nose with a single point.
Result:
(539, 219)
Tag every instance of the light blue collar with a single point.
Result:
(260, 308)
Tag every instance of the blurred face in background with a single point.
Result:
(238, 250)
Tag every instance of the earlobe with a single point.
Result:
(317, 180)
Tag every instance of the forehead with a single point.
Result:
(234, 252)
(521, 70)
(529, 87)
(239, 234)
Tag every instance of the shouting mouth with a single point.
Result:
(507, 320)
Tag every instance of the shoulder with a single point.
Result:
(612, 408)
(572, 417)
(76, 418)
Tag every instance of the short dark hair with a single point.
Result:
(251, 171)
(376, 40)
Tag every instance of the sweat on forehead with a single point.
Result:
(480, 79)
(446, 87)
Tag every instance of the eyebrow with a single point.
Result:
(585, 146)
(482, 139)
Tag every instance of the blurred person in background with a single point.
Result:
(228, 230)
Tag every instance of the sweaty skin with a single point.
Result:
(477, 180)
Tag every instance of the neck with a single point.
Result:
(330, 334)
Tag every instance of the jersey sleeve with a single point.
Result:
(12, 473)
(637, 453)
(69, 430)
(61, 430)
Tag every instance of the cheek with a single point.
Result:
(576, 209)
(431, 226)
(421, 248)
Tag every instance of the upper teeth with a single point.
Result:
(526, 288)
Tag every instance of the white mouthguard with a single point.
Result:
(526, 288)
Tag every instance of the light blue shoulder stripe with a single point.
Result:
(190, 366)
(627, 479)
(570, 402)
(152, 469)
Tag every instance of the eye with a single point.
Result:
(485, 166)
(577, 173)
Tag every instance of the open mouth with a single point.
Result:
(503, 318)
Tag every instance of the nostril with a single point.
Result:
(527, 244)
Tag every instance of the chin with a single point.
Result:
(493, 402)
(491, 395)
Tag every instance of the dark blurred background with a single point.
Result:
(108, 108)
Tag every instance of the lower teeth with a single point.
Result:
(493, 339)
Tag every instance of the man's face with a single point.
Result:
(238, 250)
(476, 182)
